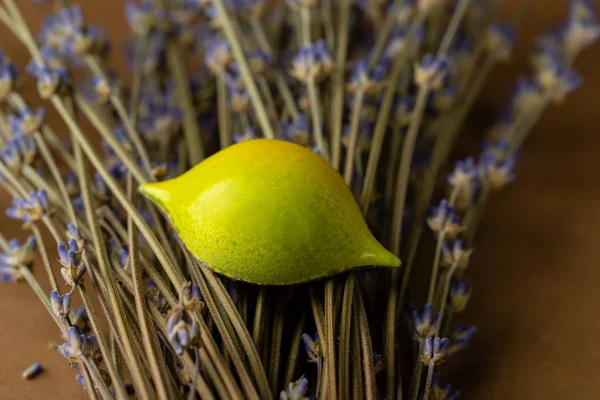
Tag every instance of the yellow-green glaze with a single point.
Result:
(269, 212)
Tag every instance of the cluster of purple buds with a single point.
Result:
(18, 151)
(312, 345)
(31, 209)
(8, 76)
(18, 255)
(295, 390)
(444, 392)
(460, 292)
(182, 325)
(61, 305)
(444, 221)
(434, 350)
(464, 182)
(456, 255)
(313, 62)
(432, 71)
(78, 346)
(73, 268)
(425, 325)
(26, 122)
(460, 338)
(50, 81)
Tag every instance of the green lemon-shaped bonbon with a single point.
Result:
(269, 212)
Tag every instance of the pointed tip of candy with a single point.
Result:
(380, 256)
(157, 192)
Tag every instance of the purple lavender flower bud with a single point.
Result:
(312, 344)
(74, 233)
(499, 41)
(72, 268)
(443, 220)
(558, 81)
(182, 329)
(496, 174)
(141, 16)
(460, 338)
(79, 318)
(295, 390)
(298, 131)
(81, 380)
(80, 345)
(30, 210)
(61, 305)
(434, 350)
(218, 55)
(32, 371)
(460, 292)
(49, 80)
(26, 122)
(443, 392)
(8, 76)
(456, 255)
(432, 71)
(425, 324)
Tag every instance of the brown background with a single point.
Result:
(535, 270)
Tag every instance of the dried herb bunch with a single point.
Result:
(380, 89)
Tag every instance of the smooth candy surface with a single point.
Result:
(269, 212)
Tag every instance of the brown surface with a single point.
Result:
(535, 269)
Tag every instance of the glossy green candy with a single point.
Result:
(269, 212)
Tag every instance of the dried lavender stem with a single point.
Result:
(453, 26)
(133, 364)
(228, 339)
(191, 129)
(91, 390)
(404, 168)
(337, 104)
(430, 369)
(241, 330)
(366, 348)
(438, 251)
(444, 297)
(238, 54)
(98, 382)
(313, 91)
(353, 138)
(292, 360)
(330, 338)
(276, 338)
(146, 327)
(113, 371)
(440, 153)
(224, 129)
(107, 134)
(345, 331)
(259, 317)
(44, 255)
(384, 114)
(37, 289)
(79, 137)
(116, 101)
